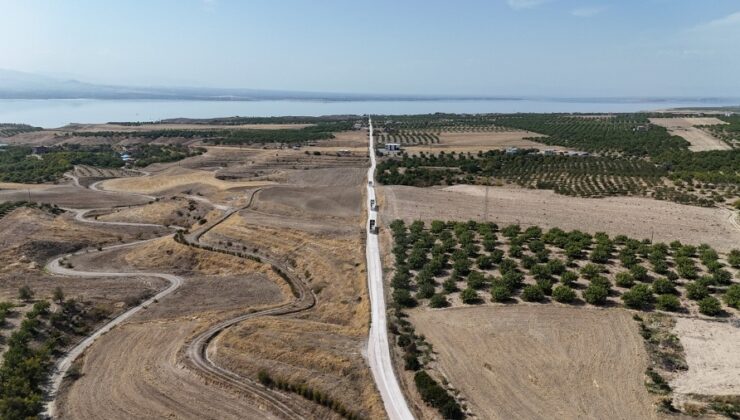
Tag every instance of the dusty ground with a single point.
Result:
(700, 140)
(174, 178)
(178, 211)
(150, 127)
(317, 230)
(541, 362)
(66, 195)
(712, 355)
(475, 141)
(144, 378)
(633, 216)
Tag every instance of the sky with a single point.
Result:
(570, 48)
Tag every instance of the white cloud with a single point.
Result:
(587, 12)
(730, 20)
(525, 4)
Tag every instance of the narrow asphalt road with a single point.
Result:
(379, 354)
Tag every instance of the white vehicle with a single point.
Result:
(373, 227)
(373, 205)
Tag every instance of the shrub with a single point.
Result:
(595, 294)
(696, 291)
(425, 291)
(668, 303)
(438, 301)
(589, 271)
(513, 280)
(638, 272)
(470, 296)
(485, 262)
(663, 286)
(403, 298)
(722, 277)
(564, 294)
(602, 281)
(733, 258)
(732, 296)
(624, 279)
(450, 285)
(25, 293)
(500, 293)
(545, 285)
(569, 277)
(710, 306)
(533, 294)
(556, 267)
(436, 396)
(476, 280)
(638, 297)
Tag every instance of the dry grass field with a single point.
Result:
(474, 141)
(712, 355)
(66, 195)
(146, 379)
(175, 178)
(700, 140)
(541, 362)
(633, 216)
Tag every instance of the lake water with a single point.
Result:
(49, 113)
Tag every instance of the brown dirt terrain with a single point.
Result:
(66, 195)
(475, 141)
(541, 362)
(712, 355)
(700, 140)
(177, 211)
(174, 178)
(145, 379)
(633, 216)
(320, 239)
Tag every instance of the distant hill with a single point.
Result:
(20, 85)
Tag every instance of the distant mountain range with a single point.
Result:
(20, 85)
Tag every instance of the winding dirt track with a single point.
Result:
(197, 356)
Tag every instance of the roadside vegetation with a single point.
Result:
(468, 263)
(10, 130)
(31, 349)
(8, 206)
(19, 164)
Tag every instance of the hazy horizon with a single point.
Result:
(542, 48)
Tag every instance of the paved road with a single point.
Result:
(378, 348)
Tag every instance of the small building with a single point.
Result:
(392, 147)
(549, 152)
(512, 150)
(39, 150)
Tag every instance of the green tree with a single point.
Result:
(710, 306)
(638, 297)
(25, 293)
(595, 294)
(500, 293)
(696, 291)
(533, 293)
(668, 303)
(663, 286)
(438, 301)
(625, 279)
(568, 278)
(733, 258)
(732, 296)
(564, 294)
(58, 295)
(470, 296)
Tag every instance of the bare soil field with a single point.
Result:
(322, 347)
(145, 379)
(633, 216)
(174, 178)
(150, 127)
(712, 355)
(541, 362)
(700, 140)
(176, 211)
(66, 195)
(325, 202)
(346, 139)
(475, 141)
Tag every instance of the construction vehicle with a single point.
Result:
(373, 227)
